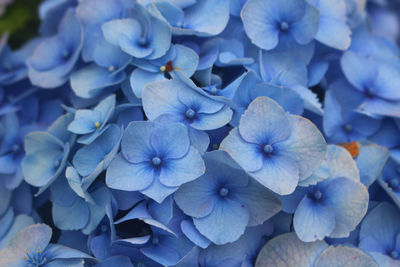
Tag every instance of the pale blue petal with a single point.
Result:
(287, 250)
(313, 221)
(123, 175)
(345, 257)
(176, 172)
(305, 145)
(225, 224)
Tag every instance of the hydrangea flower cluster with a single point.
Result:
(212, 133)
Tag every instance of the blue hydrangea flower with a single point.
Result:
(275, 148)
(93, 14)
(373, 85)
(178, 58)
(224, 201)
(201, 18)
(47, 153)
(92, 123)
(30, 247)
(178, 101)
(251, 87)
(143, 34)
(333, 30)
(70, 212)
(89, 161)
(334, 202)
(370, 162)
(390, 180)
(55, 57)
(379, 235)
(155, 159)
(13, 68)
(268, 22)
(342, 125)
(288, 250)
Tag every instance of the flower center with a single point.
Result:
(394, 254)
(348, 127)
(223, 192)
(111, 68)
(143, 41)
(97, 125)
(156, 161)
(36, 258)
(284, 26)
(393, 183)
(190, 113)
(168, 67)
(317, 195)
(268, 149)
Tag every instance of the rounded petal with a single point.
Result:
(225, 224)
(313, 221)
(288, 250)
(73, 217)
(247, 155)
(305, 145)
(127, 176)
(279, 174)
(264, 122)
(176, 172)
(29, 239)
(135, 144)
(345, 257)
(170, 141)
(349, 201)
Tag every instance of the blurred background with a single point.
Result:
(20, 19)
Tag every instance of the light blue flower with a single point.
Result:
(181, 101)
(268, 22)
(275, 148)
(55, 57)
(30, 247)
(224, 201)
(155, 159)
(47, 153)
(200, 18)
(178, 58)
(92, 123)
(143, 34)
(334, 202)
(288, 250)
(379, 235)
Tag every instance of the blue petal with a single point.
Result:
(30, 239)
(226, 223)
(333, 20)
(264, 122)
(73, 217)
(123, 175)
(261, 203)
(170, 141)
(193, 234)
(305, 29)
(344, 256)
(313, 221)
(84, 121)
(135, 144)
(91, 80)
(55, 251)
(349, 201)
(370, 162)
(158, 191)
(358, 70)
(306, 146)
(140, 78)
(288, 250)
(279, 174)
(248, 155)
(176, 172)
(379, 228)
